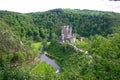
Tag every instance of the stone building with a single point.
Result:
(66, 35)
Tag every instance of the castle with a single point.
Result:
(66, 35)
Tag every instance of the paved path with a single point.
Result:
(49, 61)
(85, 52)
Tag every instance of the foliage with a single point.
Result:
(42, 68)
(101, 38)
(105, 52)
(47, 25)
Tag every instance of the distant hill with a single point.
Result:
(41, 25)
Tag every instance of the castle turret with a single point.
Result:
(62, 37)
(70, 31)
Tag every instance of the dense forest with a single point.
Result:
(21, 35)
(41, 25)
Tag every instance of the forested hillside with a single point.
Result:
(41, 25)
(21, 36)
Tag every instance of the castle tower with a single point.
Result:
(66, 34)
(70, 33)
(67, 29)
(62, 37)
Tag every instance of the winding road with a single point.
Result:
(49, 61)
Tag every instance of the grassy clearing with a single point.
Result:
(36, 45)
(48, 43)
(42, 67)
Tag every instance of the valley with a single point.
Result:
(60, 44)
